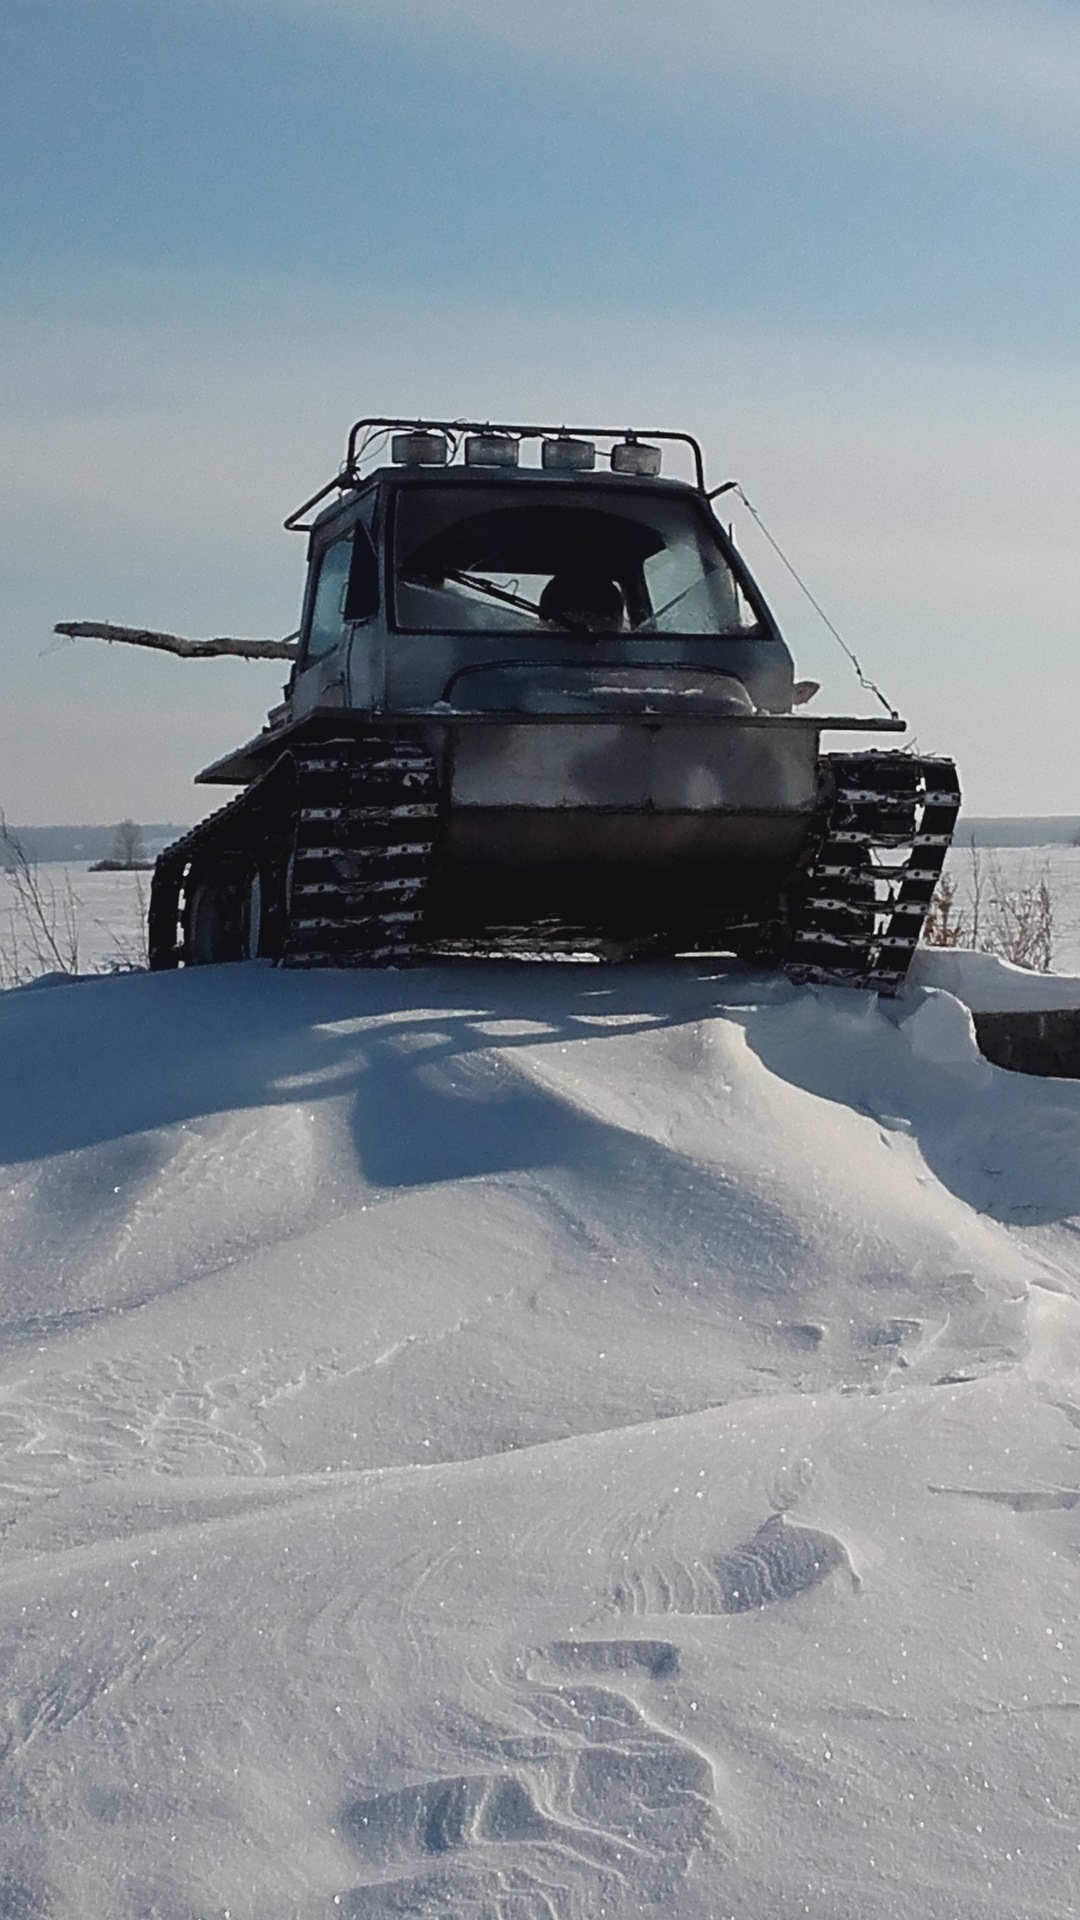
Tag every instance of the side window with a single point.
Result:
(328, 605)
(347, 589)
(362, 593)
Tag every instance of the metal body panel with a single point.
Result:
(419, 669)
(320, 686)
(247, 762)
(365, 667)
(651, 766)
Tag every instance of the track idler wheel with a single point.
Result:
(263, 912)
(212, 920)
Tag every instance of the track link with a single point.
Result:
(857, 916)
(342, 835)
(363, 850)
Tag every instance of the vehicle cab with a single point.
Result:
(463, 576)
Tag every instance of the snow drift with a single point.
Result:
(529, 1442)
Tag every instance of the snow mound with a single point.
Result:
(987, 984)
(940, 1029)
(515, 1442)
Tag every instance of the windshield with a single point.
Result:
(612, 562)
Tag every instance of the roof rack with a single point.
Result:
(375, 427)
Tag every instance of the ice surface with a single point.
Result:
(513, 1442)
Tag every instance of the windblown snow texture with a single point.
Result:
(534, 1443)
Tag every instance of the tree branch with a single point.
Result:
(175, 643)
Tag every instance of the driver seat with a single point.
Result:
(583, 595)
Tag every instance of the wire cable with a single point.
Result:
(864, 679)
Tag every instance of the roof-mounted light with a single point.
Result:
(490, 450)
(633, 456)
(565, 455)
(419, 449)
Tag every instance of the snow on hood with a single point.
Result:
(519, 1441)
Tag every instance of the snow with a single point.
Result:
(987, 984)
(510, 1441)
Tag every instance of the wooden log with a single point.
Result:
(175, 642)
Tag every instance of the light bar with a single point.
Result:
(633, 456)
(569, 456)
(419, 449)
(490, 450)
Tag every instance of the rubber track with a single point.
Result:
(858, 914)
(359, 818)
(355, 822)
(363, 853)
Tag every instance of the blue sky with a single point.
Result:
(838, 238)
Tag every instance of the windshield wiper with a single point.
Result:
(503, 595)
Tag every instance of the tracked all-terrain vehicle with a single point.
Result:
(541, 705)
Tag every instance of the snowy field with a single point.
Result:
(1022, 867)
(533, 1443)
(106, 910)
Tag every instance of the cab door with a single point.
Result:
(342, 601)
(319, 677)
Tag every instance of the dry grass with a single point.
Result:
(40, 930)
(1013, 920)
(41, 934)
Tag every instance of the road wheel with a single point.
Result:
(262, 915)
(210, 925)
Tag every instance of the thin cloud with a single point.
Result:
(1015, 69)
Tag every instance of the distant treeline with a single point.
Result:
(81, 845)
(1035, 830)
